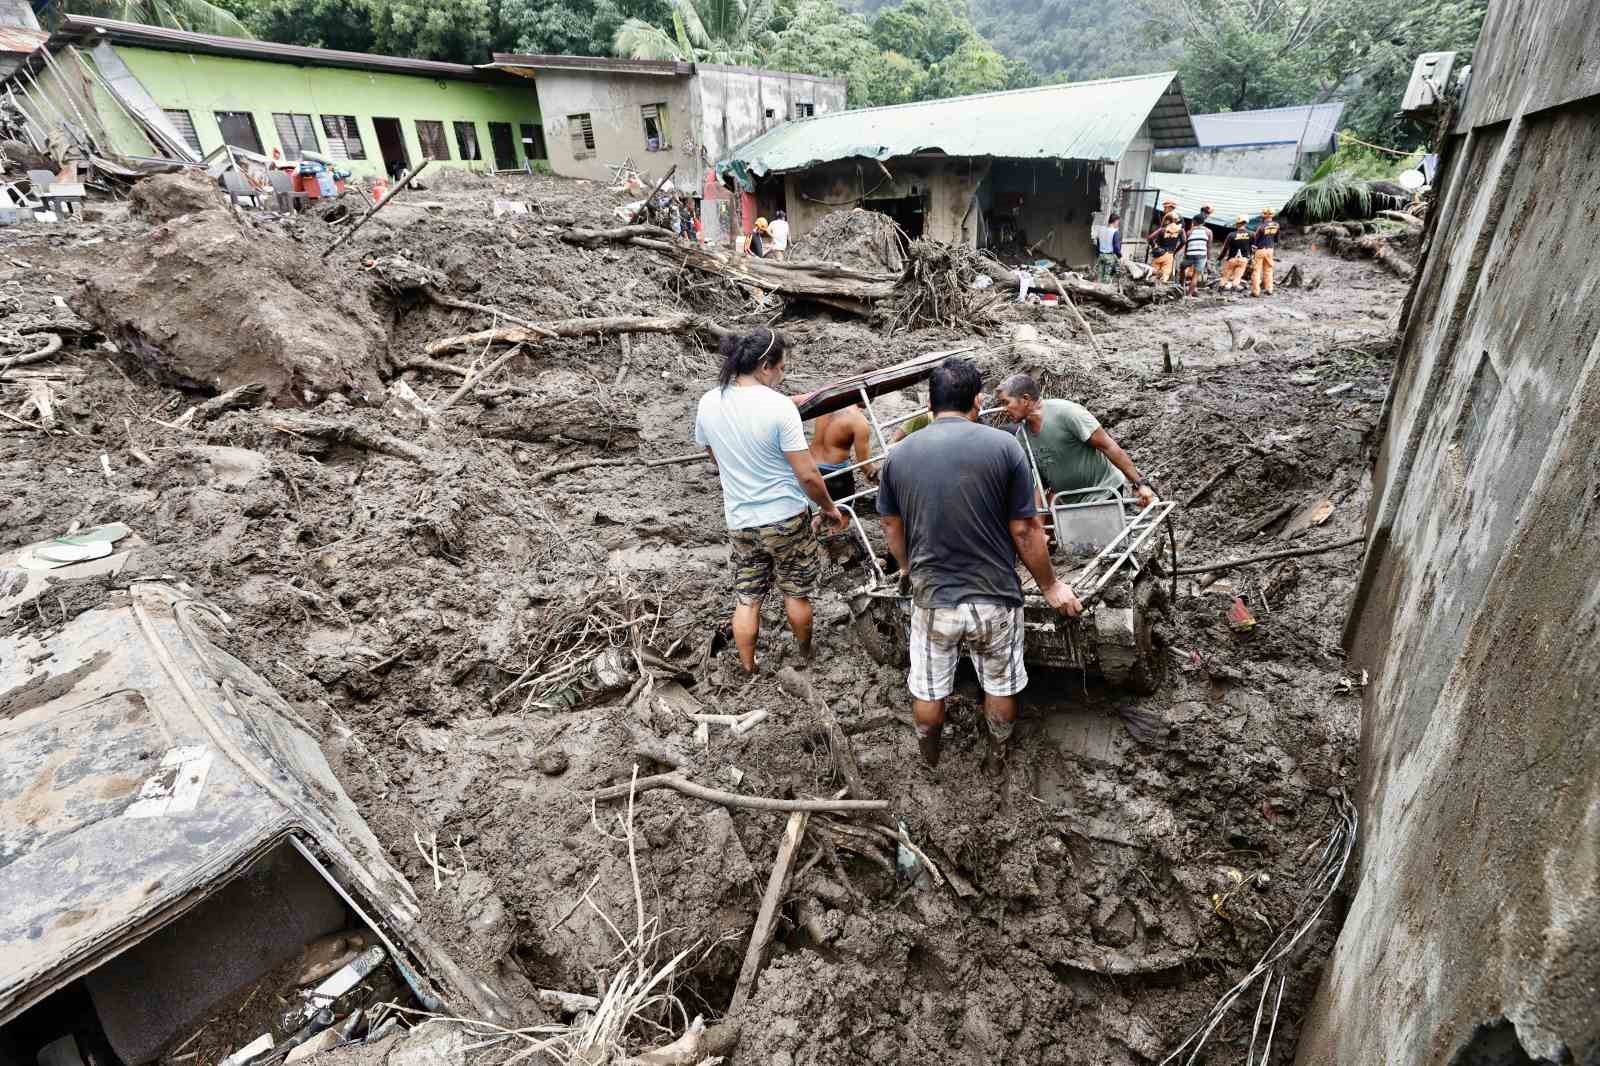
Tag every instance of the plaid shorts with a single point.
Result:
(787, 548)
(991, 634)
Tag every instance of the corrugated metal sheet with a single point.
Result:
(1314, 125)
(18, 41)
(1229, 197)
(1084, 120)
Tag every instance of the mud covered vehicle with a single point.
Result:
(1111, 553)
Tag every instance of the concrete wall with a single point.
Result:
(613, 103)
(206, 84)
(1474, 932)
(738, 104)
(1251, 161)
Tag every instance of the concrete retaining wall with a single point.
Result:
(1474, 934)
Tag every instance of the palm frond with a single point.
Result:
(694, 27)
(637, 39)
(1334, 196)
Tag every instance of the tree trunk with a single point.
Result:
(577, 327)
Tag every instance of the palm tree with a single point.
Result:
(736, 32)
(196, 16)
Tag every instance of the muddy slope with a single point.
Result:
(438, 617)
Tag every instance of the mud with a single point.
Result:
(416, 612)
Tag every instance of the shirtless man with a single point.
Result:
(840, 439)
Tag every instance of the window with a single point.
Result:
(533, 146)
(771, 113)
(467, 140)
(582, 135)
(344, 137)
(657, 138)
(239, 130)
(297, 134)
(430, 135)
(804, 109)
(184, 124)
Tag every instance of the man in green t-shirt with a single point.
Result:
(1070, 448)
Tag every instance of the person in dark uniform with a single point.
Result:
(1262, 243)
(1236, 254)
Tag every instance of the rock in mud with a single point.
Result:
(207, 304)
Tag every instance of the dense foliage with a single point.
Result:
(1233, 55)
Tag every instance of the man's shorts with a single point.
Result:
(787, 549)
(990, 633)
(1196, 263)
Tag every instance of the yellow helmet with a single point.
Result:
(761, 224)
(1267, 212)
(1242, 220)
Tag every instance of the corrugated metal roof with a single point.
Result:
(15, 39)
(1229, 197)
(1083, 120)
(1314, 125)
(517, 63)
(76, 27)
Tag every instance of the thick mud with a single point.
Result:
(439, 618)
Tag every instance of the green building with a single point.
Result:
(144, 91)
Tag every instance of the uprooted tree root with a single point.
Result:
(1350, 238)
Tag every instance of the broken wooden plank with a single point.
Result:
(771, 901)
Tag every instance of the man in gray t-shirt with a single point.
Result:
(957, 504)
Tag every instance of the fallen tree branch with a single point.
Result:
(325, 429)
(578, 327)
(1293, 553)
(732, 799)
(473, 380)
(580, 464)
(771, 901)
(247, 395)
(444, 300)
(375, 208)
(52, 345)
(1215, 479)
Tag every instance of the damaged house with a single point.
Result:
(1027, 173)
(1275, 144)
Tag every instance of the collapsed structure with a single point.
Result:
(1277, 143)
(1029, 172)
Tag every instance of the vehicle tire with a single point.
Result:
(883, 632)
(1150, 664)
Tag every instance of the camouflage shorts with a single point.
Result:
(787, 548)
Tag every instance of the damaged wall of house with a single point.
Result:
(591, 121)
(1237, 161)
(63, 102)
(1473, 934)
(737, 104)
(265, 102)
(930, 198)
(1043, 208)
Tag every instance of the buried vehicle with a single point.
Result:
(171, 834)
(1110, 549)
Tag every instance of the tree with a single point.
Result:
(454, 30)
(822, 39)
(709, 31)
(196, 16)
(926, 31)
(973, 67)
(887, 78)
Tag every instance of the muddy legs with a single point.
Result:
(747, 626)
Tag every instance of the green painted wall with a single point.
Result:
(204, 85)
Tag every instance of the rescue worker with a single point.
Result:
(1109, 246)
(758, 239)
(1196, 254)
(1164, 241)
(1262, 244)
(1235, 256)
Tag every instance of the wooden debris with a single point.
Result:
(481, 376)
(1291, 553)
(730, 799)
(52, 345)
(1215, 480)
(399, 187)
(578, 464)
(327, 429)
(248, 395)
(771, 901)
(577, 327)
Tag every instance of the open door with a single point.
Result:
(392, 146)
(504, 145)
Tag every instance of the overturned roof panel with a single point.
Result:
(1083, 120)
(1313, 125)
(1229, 197)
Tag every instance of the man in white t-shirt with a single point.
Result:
(778, 236)
(753, 434)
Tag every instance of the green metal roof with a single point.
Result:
(1082, 120)
(1229, 197)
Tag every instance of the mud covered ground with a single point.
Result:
(438, 617)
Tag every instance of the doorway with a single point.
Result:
(505, 147)
(392, 146)
(909, 212)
